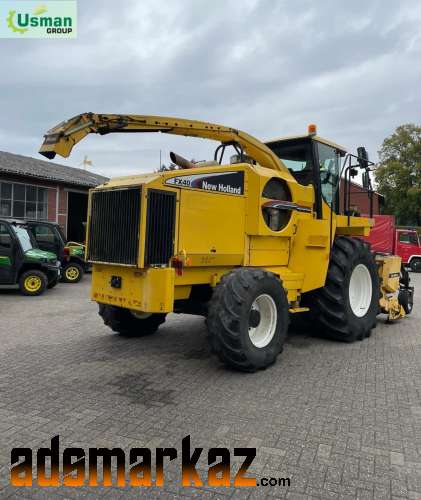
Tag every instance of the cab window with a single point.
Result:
(5, 238)
(297, 157)
(44, 234)
(408, 238)
(329, 167)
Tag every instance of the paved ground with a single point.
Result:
(341, 421)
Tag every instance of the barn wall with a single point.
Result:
(359, 199)
(57, 197)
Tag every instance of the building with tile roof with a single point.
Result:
(37, 189)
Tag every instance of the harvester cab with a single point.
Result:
(247, 243)
(312, 160)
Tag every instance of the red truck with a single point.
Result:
(386, 238)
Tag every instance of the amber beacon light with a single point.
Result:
(312, 129)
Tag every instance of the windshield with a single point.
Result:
(329, 162)
(23, 237)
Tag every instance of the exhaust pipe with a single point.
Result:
(180, 161)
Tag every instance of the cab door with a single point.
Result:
(311, 246)
(407, 245)
(7, 257)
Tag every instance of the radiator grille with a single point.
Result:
(160, 226)
(114, 226)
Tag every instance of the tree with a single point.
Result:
(398, 175)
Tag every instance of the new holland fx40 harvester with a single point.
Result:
(249, 243)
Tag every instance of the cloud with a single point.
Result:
(268, 67)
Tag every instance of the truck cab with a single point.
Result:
(408, 248)
(385, 237)
(23, 264)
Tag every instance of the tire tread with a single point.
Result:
(328, 303)
(123, 322)
(224, 318)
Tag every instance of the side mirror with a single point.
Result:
(362, 157)
(366, 180)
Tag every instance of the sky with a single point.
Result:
(268, 67)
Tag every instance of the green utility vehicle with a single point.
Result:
(22, 263)
(50, 237)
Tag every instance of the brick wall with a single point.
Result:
(59, 216)
(359, 199)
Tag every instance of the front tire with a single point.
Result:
(345, 309)
(72, 273)
(248, 319)
(124, 322)
(33, 282)
(415, 265)
(406, 299)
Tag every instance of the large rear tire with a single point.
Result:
(346, 307)
(248, 319)
(123, 321)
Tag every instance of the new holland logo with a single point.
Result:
(217, 182)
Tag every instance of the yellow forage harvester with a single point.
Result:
(249, 238)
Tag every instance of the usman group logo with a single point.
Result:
(29, 19)
(143, 467)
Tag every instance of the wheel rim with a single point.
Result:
(360, 290)
(262, 320)
(72, 273)
(32, 284)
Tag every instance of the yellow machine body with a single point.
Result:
(216, 229)
(216, 232)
